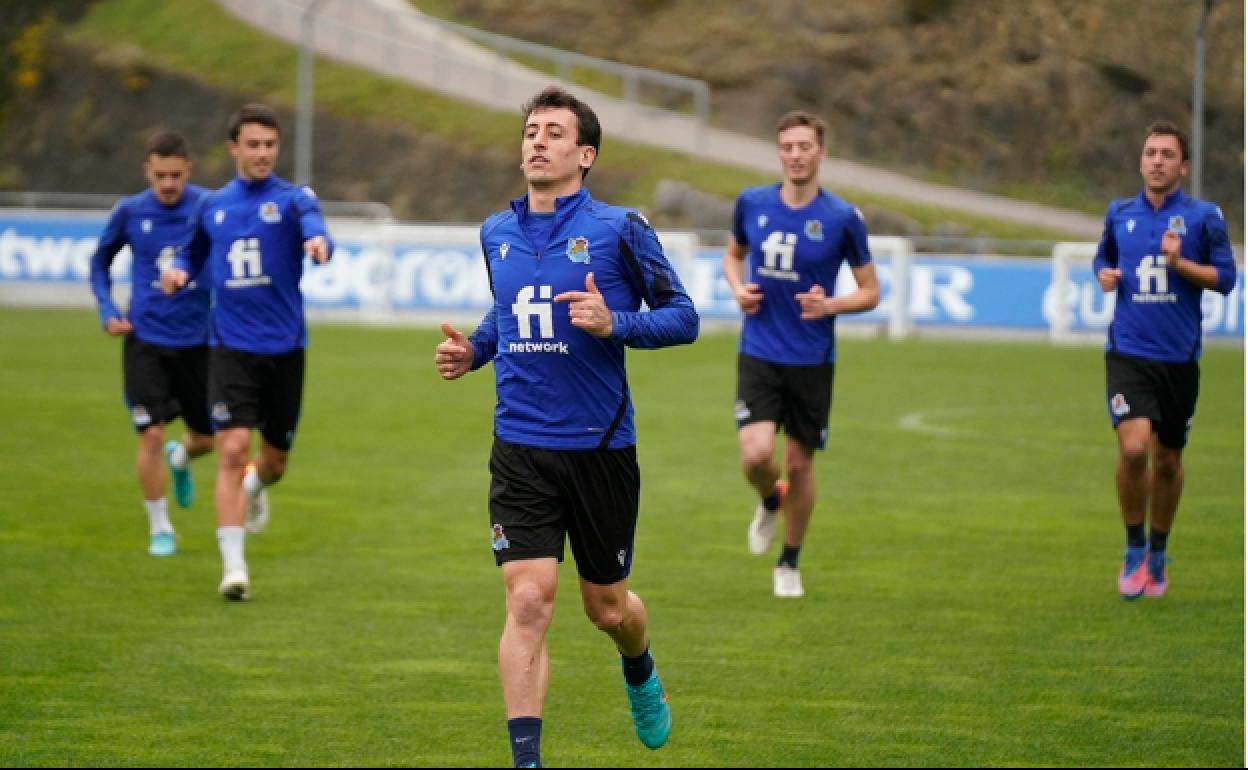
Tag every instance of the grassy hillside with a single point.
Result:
(436, 136)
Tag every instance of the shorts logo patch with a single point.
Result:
(220, 412)
(578, 249)
(741, 411)
(1118, 405)
(139, 415)
(498, 540)
(621, 556)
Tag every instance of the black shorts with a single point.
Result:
(796, 398)
(1164, 393)
(162, 383)
(537, 496)
(249, 390)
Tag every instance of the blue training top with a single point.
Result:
(251, 232)
(788, 251)
(155, 233)
(1157, 312)
(558, 386)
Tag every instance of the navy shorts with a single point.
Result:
(249, 390)
(1164, 393)
(796, 398)
(162, 383)
(539, 496)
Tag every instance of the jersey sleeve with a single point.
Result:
(111, 241)
(194, 253)
(854, 241)
(1218, 251)
(485, 338)
(311, 221)
(672, 319)
(1107, 248)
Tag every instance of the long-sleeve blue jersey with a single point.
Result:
(155, 233)
(560, 387)
(790, 250)
(1157, 312)
(251, 234)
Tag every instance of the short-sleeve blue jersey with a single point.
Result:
(1157, 312)
(250, 233)
(155, 233)
(788, 251)
(559, 387)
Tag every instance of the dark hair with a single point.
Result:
(802, 118)
(1166, 128)
(262, 114)
(588, 130)
(168, 144)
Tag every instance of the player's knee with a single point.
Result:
(1134, 453)
(607, 618)
(528, 604)
(754, 457)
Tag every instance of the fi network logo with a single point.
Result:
(526, 309)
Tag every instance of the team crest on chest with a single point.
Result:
(1130, 225)
(1177, 226)
(762, 221)
(814, 229)
(219, 217)
(146, 225)
(270, 213)
(578, 250)
(502, 250)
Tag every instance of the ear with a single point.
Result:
(588, 156)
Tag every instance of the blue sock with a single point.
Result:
(1135, 536)
(637, 670)
(526, 741)
(788, 556)
(1157, 541)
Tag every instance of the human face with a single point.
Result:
(1162, 164)
(167, 176)
(800, 154)
(255, 151)
(549, 155)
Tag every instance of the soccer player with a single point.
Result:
(165, 339)
(788, 243)
(254, 233)
(1160, 250)
(568, 275)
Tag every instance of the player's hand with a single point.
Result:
(1171, 245)
(1108, 278)
(172, 279)
(118, 327)
(453, 356)
(749, 298)
(317, 248)
(587, 309)
(814, 302)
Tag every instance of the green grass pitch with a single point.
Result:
(960, 568)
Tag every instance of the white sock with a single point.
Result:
(157, 516)
(230, 542)
(178, 458)
(252, 484)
